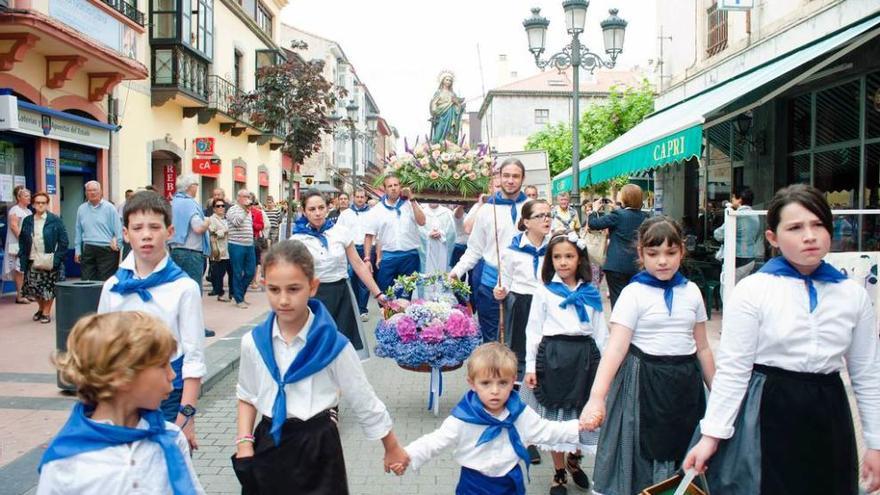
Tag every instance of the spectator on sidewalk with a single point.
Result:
(12, 267)
(261, 238)
(149, 280)
(564, 216)
(43, 243)
(217, 193)
(98, 235)
(273, 212)
(219, 261)
(748, 234)
(241, 247)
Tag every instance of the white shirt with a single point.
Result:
(130, 469)
(768, 321)
(394, 233)
(642, 309)
(461, 237)
(356, 222)
(312, 395)
(547, 318)
(481, 243)
(178, 304)
(331, 263)
(496, 457)
(518, 268)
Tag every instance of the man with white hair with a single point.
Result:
(241, 247)
(98, 235)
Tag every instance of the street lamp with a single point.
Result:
(574, 55)
(354, 133)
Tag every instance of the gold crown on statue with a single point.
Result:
(444, 74)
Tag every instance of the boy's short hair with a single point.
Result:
(494, 359)
(107, 351)
(147, 202)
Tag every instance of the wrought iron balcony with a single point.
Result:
(221, 94)
(179, 74)
(127, 9)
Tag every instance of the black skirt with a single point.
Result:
(671, 402)
(308, 461)
(337, 297)
(565, 366)
(516, 316)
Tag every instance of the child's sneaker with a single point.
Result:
(559, 484)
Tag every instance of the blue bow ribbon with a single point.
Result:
(498, 199)
(824, 273)
(396, 207)
(470, 410)
(535, 253)
(128, 284)
(585, 295)
(323, 344)
(302, 226)
(646, 278)
(81, 434)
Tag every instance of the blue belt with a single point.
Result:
(393, 256)
(490, 275)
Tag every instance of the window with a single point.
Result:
(237, 81)
(542, 115)
(201, 32)
(264, 19)
(164, 22)
(716, 27)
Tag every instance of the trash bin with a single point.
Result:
(75, 299)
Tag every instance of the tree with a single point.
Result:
(600, 124)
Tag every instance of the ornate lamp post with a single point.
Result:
(574, 55)
(356, 134)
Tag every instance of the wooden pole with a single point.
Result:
(498, 282)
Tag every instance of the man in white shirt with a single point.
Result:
(501, 212)
(355, 219)
(395, 222)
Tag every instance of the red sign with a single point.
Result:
(170, 179)
(264, 179)
(204, 145)
(206, 166)
(239, 174)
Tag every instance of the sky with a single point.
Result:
(398, 47)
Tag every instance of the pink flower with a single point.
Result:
(407, 329)
(435, 154)
(433, 334)
(459, 325)
(472, 176)
(434, 175)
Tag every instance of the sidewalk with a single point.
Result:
(33, 409)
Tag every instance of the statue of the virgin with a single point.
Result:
(446, 110)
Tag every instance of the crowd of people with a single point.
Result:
(639, 389)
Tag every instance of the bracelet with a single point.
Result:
(244, 438)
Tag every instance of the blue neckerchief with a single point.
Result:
(584, 295)
(528, 249)
(470, 410)
(302, 226)
(498, 199)
(824, 273)
(396, 207)
(323, 344)
(646, 278)
(129, 285)
(358, 211)
(81, 434)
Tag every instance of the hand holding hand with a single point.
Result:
(530, 380)
(871, 470)
(500, 293)
(699, 456)
(593, 414)
(396, 460)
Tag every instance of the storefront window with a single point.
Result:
(872, 107)
(871, 230)
(837, 114)
(799, 113)
(799, 169)
(718, 173)
(836, 173)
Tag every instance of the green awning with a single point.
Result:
(675, 133)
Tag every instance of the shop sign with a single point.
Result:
(239, 174)
(206, 166)
(60, 129)
(86, 18)
(264, 179)
(204, 145)
(170, 180)
(51, 176)
(8, 112)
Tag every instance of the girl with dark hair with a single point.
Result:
(565, 323)
(331, 246)
(655, 364)
(778, 419)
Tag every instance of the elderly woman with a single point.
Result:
(43, 242)
(219, 260)
(11, 263)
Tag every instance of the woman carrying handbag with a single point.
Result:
(43, 246)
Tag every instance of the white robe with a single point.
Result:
(437, 251)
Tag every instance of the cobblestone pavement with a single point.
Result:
(405, 394)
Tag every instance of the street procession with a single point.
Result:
(324, 248)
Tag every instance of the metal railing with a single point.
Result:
(221, 94)
(127, 9)
(174, 67)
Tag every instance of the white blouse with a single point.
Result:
(496, 457)
(642, 309)
(768, 321)
(547, 318)
(331, 263)
(518, 269)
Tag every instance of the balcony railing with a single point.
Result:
(221, 94)
(174, 67)
(127, 9)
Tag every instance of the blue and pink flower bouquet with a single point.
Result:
(436, 329)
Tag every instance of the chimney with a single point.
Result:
(503, 70)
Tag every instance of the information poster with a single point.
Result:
(51, 175)
(6, 186)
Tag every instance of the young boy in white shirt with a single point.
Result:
(490, 428)
(148, 280)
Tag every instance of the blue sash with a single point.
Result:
(489, 276)
(323, 344)
(646, 278)
(81, 434)
(470, 410)
(473, 482)
(585, 295)
(127, 284)
(824, 273)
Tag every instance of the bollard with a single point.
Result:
(75, 299)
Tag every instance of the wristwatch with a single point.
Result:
(188, 412)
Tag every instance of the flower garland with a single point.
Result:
(443, 168)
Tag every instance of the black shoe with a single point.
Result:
(573, 465)
(212, 293)
(534, 454)
(559, 484)
(38, 315)
(210, 333)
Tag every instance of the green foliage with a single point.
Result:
(600, 124)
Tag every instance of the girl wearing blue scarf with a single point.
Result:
(778, 419)
(119, 363)
(295, 367)
(565, 323)
(655, 364)
(490, 427)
